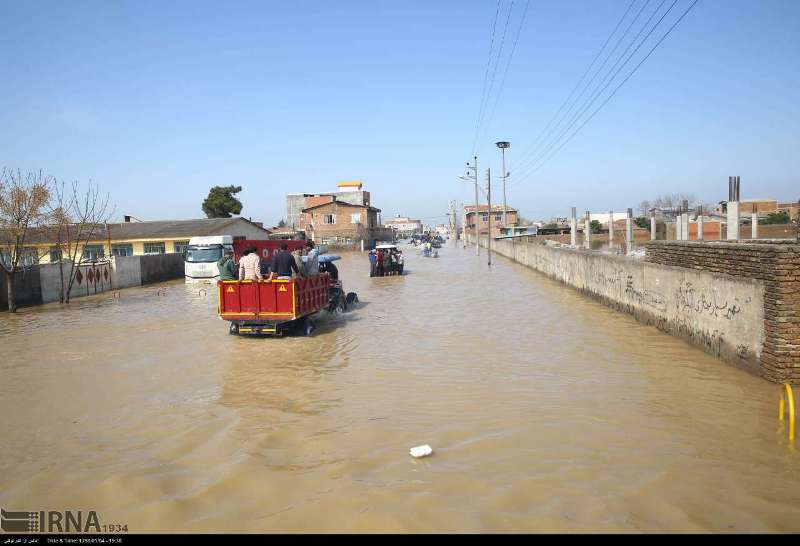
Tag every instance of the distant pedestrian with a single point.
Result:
(228, 270)
(379, 263)
(312, 261)
(283, 264)
(250, 265)
(298, 259)
(373, 263)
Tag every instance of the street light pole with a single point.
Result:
(503, 145)
(489, 199)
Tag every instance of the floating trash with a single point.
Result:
(421, 451)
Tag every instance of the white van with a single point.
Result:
(202, 254)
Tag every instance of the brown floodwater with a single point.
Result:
(547, 412)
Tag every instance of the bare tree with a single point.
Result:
(89, 213)
(60, 222)
(23, 208)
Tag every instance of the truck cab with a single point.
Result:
(202, 254)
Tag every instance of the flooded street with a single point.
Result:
(547, 412)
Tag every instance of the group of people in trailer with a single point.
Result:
(385, 262)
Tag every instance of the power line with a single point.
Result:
(494, 73)
(614, 92)
(486, 74)
(508, 65)
(600, 87)
(563, 104)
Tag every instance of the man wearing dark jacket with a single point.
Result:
(228, 270)
(283, 264)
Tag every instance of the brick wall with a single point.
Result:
(777, 265)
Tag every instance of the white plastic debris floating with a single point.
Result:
(421, 451)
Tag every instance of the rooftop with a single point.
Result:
(484, 208)
(149, 230)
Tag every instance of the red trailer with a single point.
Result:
(273, 307)
(266, 249)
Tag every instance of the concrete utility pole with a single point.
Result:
(733, 208)
(611, 229)
(685, 220)
(653, 232)
(587, 232)
(629, 231)
(700, 234)
(504, 175)
(573, 229)
(754, 226)
(489, 199)
(474, 179)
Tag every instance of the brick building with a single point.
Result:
(512, 218)
(348, 192)
(340, 223)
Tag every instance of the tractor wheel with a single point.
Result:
(234, 329)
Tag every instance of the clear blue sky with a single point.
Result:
(158, 101)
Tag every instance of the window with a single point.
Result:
(55, 255)
(355, 218)
(180, 246)
(154, 248)
(329, 219)
(92, 253)
(498, 217)
(484, 217)
(122, 250)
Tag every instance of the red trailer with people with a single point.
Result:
(273, 307)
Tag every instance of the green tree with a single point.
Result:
(282, 223)
(221, 202)
(642, 222)
(595, 226)
(776, 218)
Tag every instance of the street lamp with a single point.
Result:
(503, 145)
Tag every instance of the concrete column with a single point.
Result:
(587, 232)
(573, 229)
(611, 229)
(653, 225)
(678, 228)
(733, 221)
(700, 227)
(754, 226)
(629, 231)
(686, 235)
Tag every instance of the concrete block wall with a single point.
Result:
(27, 288)
(127, 271)
(719, 313)
(776, 264)
(160, 267)
(42, 283)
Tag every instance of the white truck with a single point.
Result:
(200, 264)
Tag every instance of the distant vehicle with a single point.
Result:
(202, 254)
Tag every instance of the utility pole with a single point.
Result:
(503, 145)
(474, 168)
(489, 199)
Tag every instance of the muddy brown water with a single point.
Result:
(546, 410)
